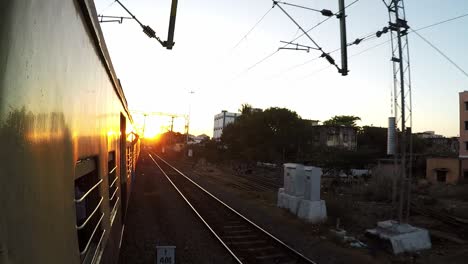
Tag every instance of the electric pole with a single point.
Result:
(188, 118)
(401, 99)
(344, 42)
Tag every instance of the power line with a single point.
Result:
(323, 21)
(354, 55)
(108, 6)
(256, 24)
(441, 53)
(442, 22)
(296, 38)
(371, 36)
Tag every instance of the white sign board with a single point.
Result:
(165, 254)
(190, 152)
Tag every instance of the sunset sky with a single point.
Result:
(205, 61)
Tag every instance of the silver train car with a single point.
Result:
(67, 150)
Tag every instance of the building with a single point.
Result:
(452, 170)
(428, 134)
(221, 121)
(198, 139)
(336, 136)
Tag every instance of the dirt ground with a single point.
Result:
(245, 192)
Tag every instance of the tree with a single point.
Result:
(272, 135)
(245, 109)
(342, 120)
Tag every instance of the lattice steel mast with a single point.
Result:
(402, 101)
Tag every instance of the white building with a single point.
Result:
(221, 121)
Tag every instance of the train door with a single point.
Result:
(123, 165)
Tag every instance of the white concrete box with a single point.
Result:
(312, 177)
(293, 203)
(402, 237)
(312, 211)
(293, 179)
(282, 201)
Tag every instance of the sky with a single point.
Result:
(213, 58)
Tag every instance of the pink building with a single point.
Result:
(463, 153)
(452, 170)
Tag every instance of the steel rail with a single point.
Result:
(196, 212)
(295, 252)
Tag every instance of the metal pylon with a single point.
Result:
(402, 101)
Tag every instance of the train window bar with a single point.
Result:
(85, 250)
(83, 225)
(81, 199)
(95, 256)
(113, 188)
(88, 200)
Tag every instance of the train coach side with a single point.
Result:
(67, 153)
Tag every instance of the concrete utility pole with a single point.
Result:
(344, 42)
(187, 126)
(402, 90)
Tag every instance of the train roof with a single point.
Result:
(90, 15)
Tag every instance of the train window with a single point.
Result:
(113, 185)
(88, 200)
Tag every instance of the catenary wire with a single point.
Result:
(440, 52)
(276, 51)
(251, 29)
(371, 36)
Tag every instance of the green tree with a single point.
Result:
(342, 120)
(274, 135)
(245, 109)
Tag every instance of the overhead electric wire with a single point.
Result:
(109, 5)
(442, 22)
(254, 26)
(296, 38)
(323, 21)
(441, 53)
(354, 55)
(372, 36)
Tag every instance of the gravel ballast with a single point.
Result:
(157, 215)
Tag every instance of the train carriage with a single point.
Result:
(67, 147)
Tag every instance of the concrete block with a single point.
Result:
(293, 203)
(402, 237)
(288, 201)
(293, 179)
(282, 200)
(312, 177)
(312, 211)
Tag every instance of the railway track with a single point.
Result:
(257, 183)
(243, 239)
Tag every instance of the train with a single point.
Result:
(68, 148)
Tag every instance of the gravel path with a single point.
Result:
(157, 215)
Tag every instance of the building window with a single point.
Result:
(466, 106)
(441, 175)
(466, 145)
(466, 125)
(89, 216)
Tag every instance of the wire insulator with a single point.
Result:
(149, 31)
(326, 12)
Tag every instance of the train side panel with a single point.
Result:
(59, 105)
